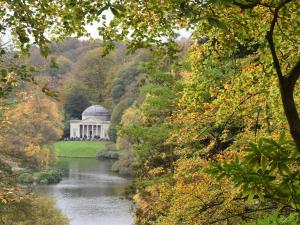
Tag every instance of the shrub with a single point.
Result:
(45, 177)
(26, 178)
(49, 177)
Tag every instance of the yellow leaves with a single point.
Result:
(32, 150)
(250, 68)
(132, 116)
(35, 119)
(27, 209)
(37, 156)
(228, 86)
(185, 75)
(195, 189)
(151, 202)
(156, 171)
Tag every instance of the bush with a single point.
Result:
(110, 152)
(49, 177)
(45, 177)
(33, 211)
(26, 178)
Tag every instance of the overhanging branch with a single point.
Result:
(243, 213)
(250, 5)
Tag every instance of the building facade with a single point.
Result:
(93, 125)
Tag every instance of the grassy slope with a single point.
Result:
(78, 149)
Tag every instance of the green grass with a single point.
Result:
(78, 149)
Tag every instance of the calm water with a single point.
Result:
(90, 194)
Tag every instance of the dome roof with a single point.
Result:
(95, 110)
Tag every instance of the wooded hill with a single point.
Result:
(82, 76)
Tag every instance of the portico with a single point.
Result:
(94, 124)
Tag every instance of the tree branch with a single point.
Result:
(270, 40)
(245, 5)
(242, 214)
(249, 5)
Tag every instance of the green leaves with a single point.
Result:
(117, 10)
(214, 21)
(269, 168)
(277, 219)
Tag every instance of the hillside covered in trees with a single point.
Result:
(80, 76)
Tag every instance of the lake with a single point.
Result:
(90, 194)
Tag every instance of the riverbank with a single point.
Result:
(123, 159)
(78, 149)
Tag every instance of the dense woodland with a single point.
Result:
(209, 125)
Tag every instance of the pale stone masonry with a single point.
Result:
(94, 124)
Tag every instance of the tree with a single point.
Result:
(62, 66)
(34, 120)
(75, 103)
(116, 117)
(123, 80)
(29, 122)
(40, 210)
(229, 24)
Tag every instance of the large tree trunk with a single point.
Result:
(287, 83)
(290, 109)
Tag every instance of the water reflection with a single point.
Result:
(90, 193)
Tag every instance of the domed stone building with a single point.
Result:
(94, 124)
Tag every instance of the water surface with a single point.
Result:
(90, 194)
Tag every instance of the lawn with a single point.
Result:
(78, 149)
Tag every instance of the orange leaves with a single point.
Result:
(12, 194)
(209, 106)
(32, 150)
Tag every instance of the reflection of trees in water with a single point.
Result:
(63, 165)
(82, 167)
(91, 177)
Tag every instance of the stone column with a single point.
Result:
(92, 131)
(82, 130)
(101, 132)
